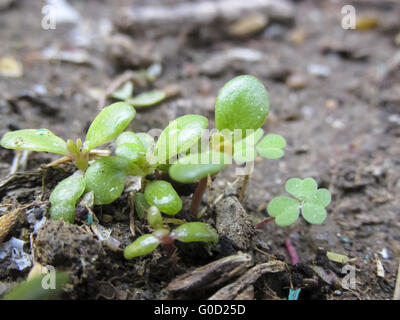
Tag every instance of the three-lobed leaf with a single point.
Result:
(301, 189)
(271, 146)
(34, 139)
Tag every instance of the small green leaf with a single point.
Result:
(147, 99)
(271, 146)
(242, 104)
(321, 197)
(125, 92)
(301, 189)
(63, 210)
(108, 124)
(141, 246)
(162, 195)
(64, 197)
(106, 178)
(141, 205)
(154, 218)
(146, 140)
(194, 167)
(179, 136)
(313, 213)
(133, 152)
(33, 289)
(195, 231)
(34, 139)
(285, 210)
(128, 137)
(69, 189)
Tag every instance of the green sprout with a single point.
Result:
(308, 199)
(182, 153)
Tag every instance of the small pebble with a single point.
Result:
(296, 81)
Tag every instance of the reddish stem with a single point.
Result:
(292, 251)
(264, 222)
(198, 196)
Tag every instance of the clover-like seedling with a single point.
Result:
(307, 199)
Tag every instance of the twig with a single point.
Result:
(292, 251)
(244, 187)
(263, 222)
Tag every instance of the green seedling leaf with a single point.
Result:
(285, 210)
(244, 150)
(146, 140)
(63, 210)
(106, 178)
(128, 137)
(69, 189)
(133, 152)
(154, 218)
(141, 246)
(313, 213)
(313, 209)
(147, 99)
(195, 231)
(194, 167)
(242, 103)
(301, 189)
(321, 197)
(141, 205)
(125, 92)
(33, 289)
(162, 195)
(179, 136)
(64, 197)
(271, 146)
(34, 139)
(108, 124)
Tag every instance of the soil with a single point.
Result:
(334, 95)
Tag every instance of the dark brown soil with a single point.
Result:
(342, 127)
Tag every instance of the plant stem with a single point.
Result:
(265, 221)
(292, 251)
(198, 196)
(244, 187)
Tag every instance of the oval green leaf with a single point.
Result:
(194, 167)
(69, 189)
(34, 139)
(141, 246)
(106, 178)
(162, 195)
(242, 103)
(179, 136)
(147, 99)
(63, 210)
(128, 137)
(108, 124)
(194, 232)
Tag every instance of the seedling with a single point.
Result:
(307, 199)
(181, 152)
